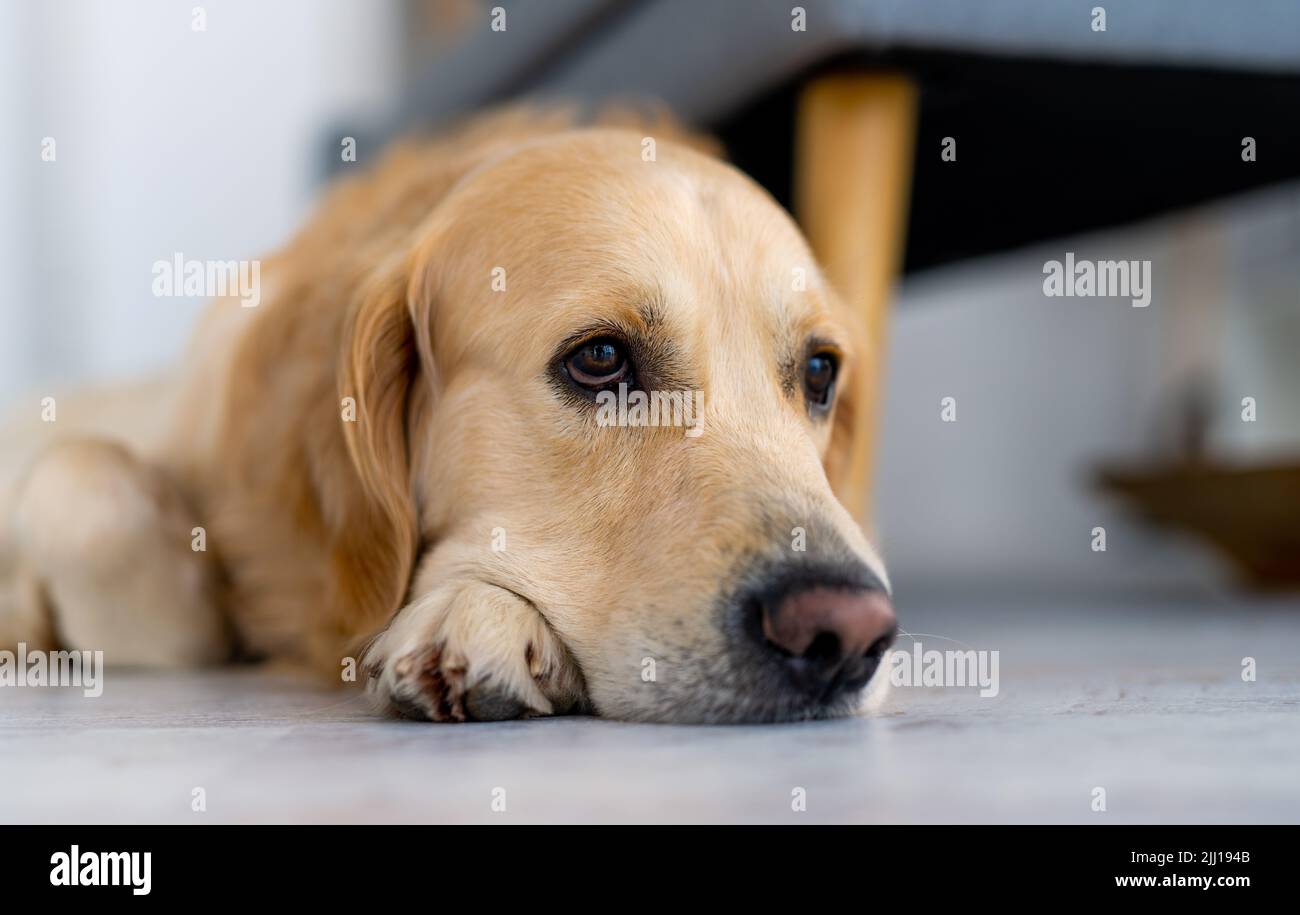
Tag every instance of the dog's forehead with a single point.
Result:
(594, 224)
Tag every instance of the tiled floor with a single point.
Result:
(1146, 702)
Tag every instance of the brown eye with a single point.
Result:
(819, 378)
(597, 363)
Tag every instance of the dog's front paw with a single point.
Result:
(472, 652)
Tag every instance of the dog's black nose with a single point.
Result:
(830, 637)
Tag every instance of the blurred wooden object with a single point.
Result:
(853, 167)
(1250, 514)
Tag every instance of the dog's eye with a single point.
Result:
(597, 363)
(819, 378)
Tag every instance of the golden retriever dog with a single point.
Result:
(540, 416)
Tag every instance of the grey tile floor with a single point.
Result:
(1144, 700)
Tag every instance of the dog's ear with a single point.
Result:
(847, 461)
(376, 537)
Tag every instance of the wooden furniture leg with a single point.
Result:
(853, 169)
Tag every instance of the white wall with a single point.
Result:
(168, 140)
(1049, 388)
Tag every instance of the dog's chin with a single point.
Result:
(726, 710)
(846, 705)
(760, 700)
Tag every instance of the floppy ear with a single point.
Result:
(377, 537)
(848, 458)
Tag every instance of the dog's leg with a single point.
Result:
(105, 542)
(472, 651)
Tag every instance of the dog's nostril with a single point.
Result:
(824, 649)
(878, 649)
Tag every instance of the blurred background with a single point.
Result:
(1124, 143)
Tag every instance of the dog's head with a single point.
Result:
(618, 386)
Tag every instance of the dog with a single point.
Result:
(427, 452)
